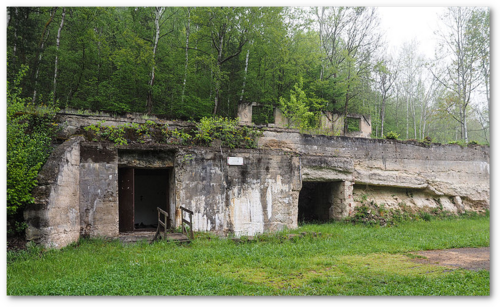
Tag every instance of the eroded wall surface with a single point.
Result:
(435, 170)
(78, 187)
(54, 218)
(98, 190)
(260, 195)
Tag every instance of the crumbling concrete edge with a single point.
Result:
(53, 220)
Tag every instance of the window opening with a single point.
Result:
(262, 115)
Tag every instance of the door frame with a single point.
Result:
(126, 197)
(126, 191)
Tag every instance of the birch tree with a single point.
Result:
(348, 38)
(152, 24)
(58, 41)
(460, 76)
(410, 72)
(245, 76)
(188, 30)
(228, 29)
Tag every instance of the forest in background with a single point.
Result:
(188, 63)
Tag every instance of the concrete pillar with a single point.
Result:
(280, 121)
(343, 203)
(365, 126)
(245, 113)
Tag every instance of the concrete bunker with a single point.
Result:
(325, 177)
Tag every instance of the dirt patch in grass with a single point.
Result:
(468, 258)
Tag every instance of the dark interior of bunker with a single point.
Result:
(315, 200)
(141, 192)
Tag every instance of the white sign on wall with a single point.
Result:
(235, 160)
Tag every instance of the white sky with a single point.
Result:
(403, 24)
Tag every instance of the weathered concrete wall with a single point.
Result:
(245, 112)
(71, 124)
(438, 170)
(54, 219)
(98, 190)
(259, 196)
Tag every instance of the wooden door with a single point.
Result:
(167, 200)
(126, 199)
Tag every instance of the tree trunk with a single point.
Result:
(58, 41)
(382, 116)
(187, 54)
(38, 68)
(245, 76)
(14, 51)
(45, 35)
(216, 100)
(99, 63)
(413, 113)
(464, 125)
(149, 104)
(218, 72)
(407, 116)
(346, 124)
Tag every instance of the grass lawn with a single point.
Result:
(345, 260)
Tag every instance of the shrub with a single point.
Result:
(29, 136)
(392, 135)
(206, 131)
(227, 131)
(427, 140)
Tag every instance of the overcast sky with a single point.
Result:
(402, 24)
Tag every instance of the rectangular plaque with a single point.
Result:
(235, 160)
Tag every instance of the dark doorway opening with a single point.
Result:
(315, 201)
(141, 191)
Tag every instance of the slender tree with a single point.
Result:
(58, 41)
(38, 57)
(386, 75)
(188, 30)
(458, 38)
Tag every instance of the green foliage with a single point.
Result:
(227, 131)
(30, 130)
(106, 60)
(391, 135)
(427, 140)
(176, 136)
(460, 142)
(206, 131)
(371, 214)
(298, 109)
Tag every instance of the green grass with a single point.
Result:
(345, 260)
